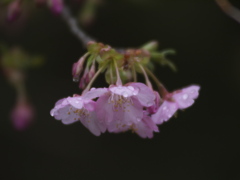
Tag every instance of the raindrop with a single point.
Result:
(150, 104)
(124, 94)
(185, 96)
(75, 79)
(135, 92)
(130, 88)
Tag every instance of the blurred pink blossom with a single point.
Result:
(22, 116)
(14, 10)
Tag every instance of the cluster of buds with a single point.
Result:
(126, 104)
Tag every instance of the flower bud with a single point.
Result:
(77, 68)
(91, 73)
(22, 116)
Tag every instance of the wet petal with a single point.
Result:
(146, 127)
(192, 91)
(66, 114)
(90, 106)
(76, 102)
(104, 109)
(153, 109)
(91, 122)
(94, 93)
(165, 112)
(186, 97)
(145, 95)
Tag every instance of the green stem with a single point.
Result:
(160, 86)
(92, 80)
(119, 81)
(134, 74)
(21, 91)
(146, 76)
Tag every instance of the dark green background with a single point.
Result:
(201, 144)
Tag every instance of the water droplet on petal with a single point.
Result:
(135, 92)
(125, 94)
(149, 104)
(138, 119)
(92, 88)
(136, 89)
(130, 88)
(185, 96)
(75, 79)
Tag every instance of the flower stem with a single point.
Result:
(119, 81)
(76, 30)
(146, 76)
(92, 80)
(134, 74)
(163, 91)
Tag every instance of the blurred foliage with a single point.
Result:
(18, 59)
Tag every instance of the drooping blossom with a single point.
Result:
(121, 107)
(22, 116)
(145, 127)
(179, 99)
(78, 108)
(14, 10)
(153, 109)
(78, 67)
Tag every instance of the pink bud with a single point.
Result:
(84, 79)
(22, 116)
(56, 6)
(91, 73)
(77, 68)
(14, 10)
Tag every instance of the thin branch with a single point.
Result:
(229, 9)
(76, 30)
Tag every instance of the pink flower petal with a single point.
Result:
(94, 93)
(104, 109)
(192, 91)
(153, 109)
(65, 113)
(91, 122)
(146, 127)
(186, 97)
(165, 112)
(125, 116)
(76, 102)
(90, 105)
(145, 95)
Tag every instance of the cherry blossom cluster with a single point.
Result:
(126, 104)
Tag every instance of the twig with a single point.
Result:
(229, 9)
(72, 23)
